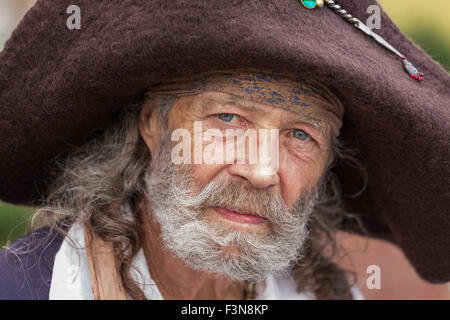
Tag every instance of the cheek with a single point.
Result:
(297, 175)
(205, 173)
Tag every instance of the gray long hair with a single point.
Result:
(97, 178)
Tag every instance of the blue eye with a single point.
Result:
(227, 117)
(300, 134)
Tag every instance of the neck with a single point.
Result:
(174, 278)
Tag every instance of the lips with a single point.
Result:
(241, 217)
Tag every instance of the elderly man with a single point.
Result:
(197, 161)
(235, 219)
(207, 231)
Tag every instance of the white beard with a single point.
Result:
(179, 209)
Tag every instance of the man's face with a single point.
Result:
(239, 219)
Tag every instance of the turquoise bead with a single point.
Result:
(310, 4)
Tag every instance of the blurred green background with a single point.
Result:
(428, 26)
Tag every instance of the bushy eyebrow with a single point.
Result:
(236, 101)
(299, 117)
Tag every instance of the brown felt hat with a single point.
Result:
(59, 88)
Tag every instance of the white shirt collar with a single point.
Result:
(71, 277)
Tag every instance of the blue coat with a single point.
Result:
(26, 274)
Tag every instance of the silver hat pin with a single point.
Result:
(311, 4)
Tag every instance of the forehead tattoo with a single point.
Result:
(310, 100)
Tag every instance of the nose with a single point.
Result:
(258, 175)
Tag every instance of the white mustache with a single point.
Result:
(178, 204)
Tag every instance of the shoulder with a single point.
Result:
(26, 265)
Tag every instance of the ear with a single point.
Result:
(149, 126)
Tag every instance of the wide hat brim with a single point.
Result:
(59, 88)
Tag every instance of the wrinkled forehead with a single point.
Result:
(285, 91)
